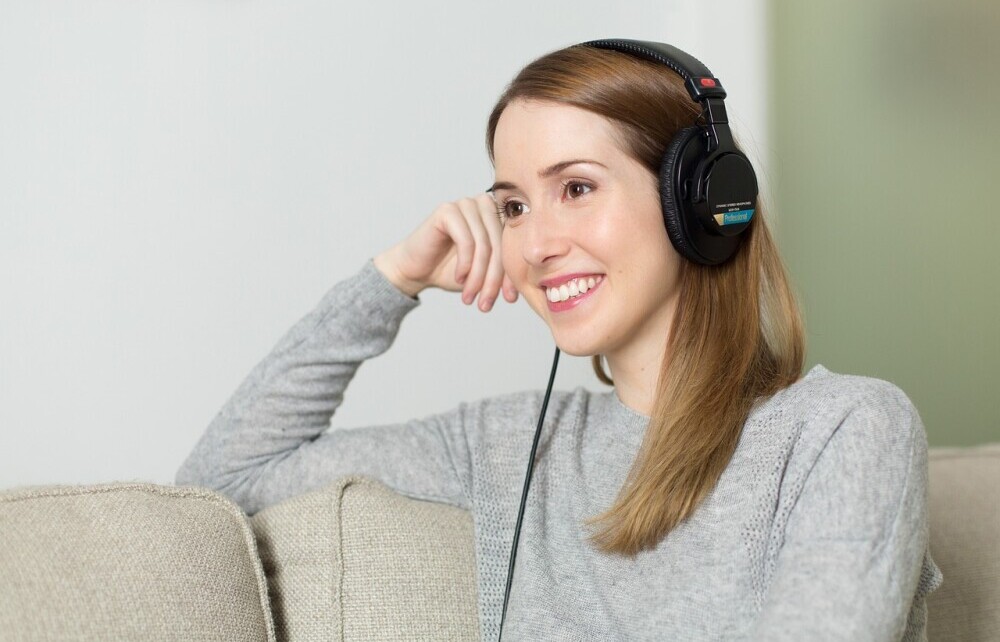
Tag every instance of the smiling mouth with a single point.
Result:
(572, 289)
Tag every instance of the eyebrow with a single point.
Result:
(547, 172)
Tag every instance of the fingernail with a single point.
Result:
(485, 304)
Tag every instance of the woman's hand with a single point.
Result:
(456, 248)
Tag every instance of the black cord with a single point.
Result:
(524, 493)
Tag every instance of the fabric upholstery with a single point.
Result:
(400, 586)
(297, 541)
(343, 563)
(128, 561)
(964, 495)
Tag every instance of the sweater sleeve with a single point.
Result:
(270, 440)
(855, 562)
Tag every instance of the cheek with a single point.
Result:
(512, 265)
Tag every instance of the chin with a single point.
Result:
(576, 346)
(574, 341)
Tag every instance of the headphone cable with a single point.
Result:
(524, 493)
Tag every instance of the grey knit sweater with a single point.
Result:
(817, 530)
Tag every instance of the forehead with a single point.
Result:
(535, 134)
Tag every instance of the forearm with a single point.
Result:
(289, 397)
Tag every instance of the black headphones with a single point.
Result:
(708, 188)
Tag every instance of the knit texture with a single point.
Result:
(817, 529)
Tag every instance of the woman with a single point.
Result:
(712, 494)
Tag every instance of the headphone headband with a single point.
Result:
(698, 80)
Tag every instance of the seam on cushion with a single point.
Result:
(179, 492)
(338, 540)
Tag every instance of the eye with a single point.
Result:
(504, 209)
(569, 185)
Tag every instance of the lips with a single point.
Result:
(573, 286)
(566, 278)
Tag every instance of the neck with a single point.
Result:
(636, 377)
(635, 366)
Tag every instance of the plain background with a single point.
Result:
(885, 140)
(182, 181)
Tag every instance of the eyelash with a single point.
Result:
(502, 207)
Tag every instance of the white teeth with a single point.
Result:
(573, 288)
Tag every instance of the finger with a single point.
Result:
(493, 224)
(495, 272)
(456, 227)
(482, 252)
(509, 291)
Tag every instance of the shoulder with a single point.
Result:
(858, 459)
(850, 440)
(824, 403)
(844, 428)
(828, 394)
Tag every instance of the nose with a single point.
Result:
(544, 239)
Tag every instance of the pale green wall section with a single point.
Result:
(886, 178)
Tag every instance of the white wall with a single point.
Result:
(181, 181)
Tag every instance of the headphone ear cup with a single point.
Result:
(671, 196)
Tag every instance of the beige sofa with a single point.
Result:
(352, 561)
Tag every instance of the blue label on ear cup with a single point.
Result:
(729, 218)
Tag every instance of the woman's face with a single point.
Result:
(595, 222)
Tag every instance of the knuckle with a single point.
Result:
(446, 208)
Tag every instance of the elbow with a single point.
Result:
(238, 488)
(190, 475)
(197, 472)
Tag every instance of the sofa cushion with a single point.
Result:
(357, 561)
(964, 496)
(128, 561)
(298, 549)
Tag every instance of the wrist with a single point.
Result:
(386, 264)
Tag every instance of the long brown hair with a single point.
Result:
(738, 334)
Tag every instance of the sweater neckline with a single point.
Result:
(624, 412)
